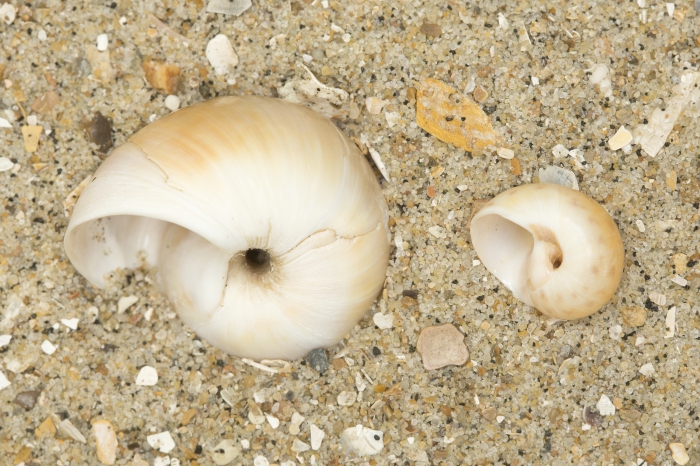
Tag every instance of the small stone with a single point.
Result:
(347, 398)
(451, 117)
(105, 441)
(592, 417)
(172, 102)
(431, 29)
(671, 180)
(621, 138)
(640, 226)
(48, 347)
(125, 302)
(102, 42)
(442, 345)
(383, 321)
(374, 105)
(23, 454)
(317, 436)
(559, 151)
(187, 416)
(46, 429)
(299, 447)
(162, 76)
(162, 441)
(630, 415)
(99, 131)
(147, 376)
(100, 65)
(678, 453)
(46, 102)
(27, 399)
(505, 153)
(5, 340)
(273, 421)
(634, 316)
(5, 164)
(678, 280)
(362, 441)
(295, 425)
(31, 136)
(670, 323)
(224, 453)
(71, 323)
(228, 7)
(221, 55)
(605, 406)
(309, 91)
(255, 414)
(4, 383)
(647, 369)
(318, 360)
(480, 94)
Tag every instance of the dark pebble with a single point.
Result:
(592, 416)
(27, 399)
(411, 293)
(318, 360)
(99, 131)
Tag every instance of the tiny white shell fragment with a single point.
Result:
(647, 369)
(172, 102)
(228, 7)
(559, 151)
(360, 383)
(374, 105)
(347, 398)
(535, 80)
(5, 340)
(71, 323)
(162, 441)
(558, 175)
(228, 394)
(462, 187)
(4, 383)
(505, 153)
(309, 91)
(500, 419)
(102, 42)
(259, 396)
(296, 421)
(642, 3)
(600, 76)
(678, 280)
(245, 444)
(48, 347)
(68, 429)
(221, 55)
(378, 162)
(392, 118)
(105, 441)
(41, 35)
(8, 13)
(502, 21)
(678, 452)
(255, 414)
(5, 124)
(147, 377)
(224, 453)
(162, 461)
(640, 226)
(299, 447)
(125, 302)
(615, 332)
(670, 8)
(585, 426)
(274, 422)
(657, 298)
(621, 138)
(307, 58)
(383, 321)
(362, 441)
(437, 231)
(639, 341)
(671, 323)
(605, 406)
(260, 461)
(317, 436)
(476, 262)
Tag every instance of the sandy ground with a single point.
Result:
(529, 391)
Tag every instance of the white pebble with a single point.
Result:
(615, 332)
(221, 55)
(42, 35)
(4, 383)
(5, 123)
(162, 441)
(476, 262)
(5, 164)
(560, 151)
(105, 441)
(640, 226)
(317, 436)
(48, 347)
(296, 421)
(647, 369)
(500, 419)
(605, 406)
(8, 13)
(125, 302)
(383, 321)
(670, 8)
(347, 398)
(299, 447)
(622, 138)
(657, 298)
(535, 81)
(678, 280)
(505, 153)
(307, 58)
(147, 377)
(71, 323)
(261, 461)
(670, 323)
(639, 341)
(32, 120)
(172, 102)
(678, 452)
(346, 37)
(102, 42)
(274, 422)
(374, 105)
(5, 340)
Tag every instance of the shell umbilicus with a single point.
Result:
(555, 248)
(266, 224)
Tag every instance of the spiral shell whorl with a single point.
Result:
(555, 248)
(200, 187)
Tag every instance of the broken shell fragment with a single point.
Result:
(555, 248)
(266, 224)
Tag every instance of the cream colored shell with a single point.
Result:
(197, 189)
(555, 248)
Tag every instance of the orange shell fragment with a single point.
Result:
(452, 117)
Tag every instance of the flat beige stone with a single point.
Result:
(442, 345)
(105, 440)
(678, 453)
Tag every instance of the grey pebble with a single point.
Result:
(318, 360)
(27, 399)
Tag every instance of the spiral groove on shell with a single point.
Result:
(555, 248)
(200, 189)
